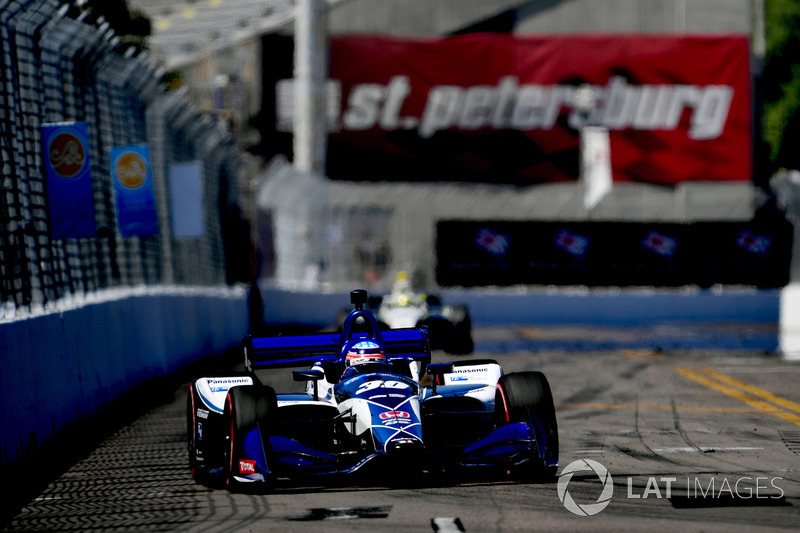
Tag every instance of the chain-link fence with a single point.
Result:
(59, 65)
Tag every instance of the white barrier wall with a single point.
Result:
(790, 322)
(62, 366)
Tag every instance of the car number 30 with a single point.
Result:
(369, 385)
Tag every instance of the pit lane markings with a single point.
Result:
(739, 390)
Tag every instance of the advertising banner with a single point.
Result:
(496, 252)
(70, 199)
(186, 199)
(133, 188)
(501, 108)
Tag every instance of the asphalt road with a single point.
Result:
(667, 439)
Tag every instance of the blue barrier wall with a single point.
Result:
(578, 318)
(629, 307)
(62, 366)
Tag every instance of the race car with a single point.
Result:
(364, 410)
(449, 326)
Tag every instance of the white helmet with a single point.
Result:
(364, 352)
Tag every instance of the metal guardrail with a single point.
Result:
(59, 66)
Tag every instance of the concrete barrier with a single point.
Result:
(59, 367)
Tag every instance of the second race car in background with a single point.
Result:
(449, 326)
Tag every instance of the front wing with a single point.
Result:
(263, 456)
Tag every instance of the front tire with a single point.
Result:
(526, 397)
(246, 408)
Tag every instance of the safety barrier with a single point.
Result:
(494, 306)
(62, 366)
(59, 66)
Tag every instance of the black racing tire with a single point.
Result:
(440, 332)
(206, 454)
(526, 397)
(461, 339)
(246, 407)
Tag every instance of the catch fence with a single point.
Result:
(60, 65)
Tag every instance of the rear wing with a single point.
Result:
(304, 350)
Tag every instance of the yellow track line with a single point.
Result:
(755, 391)
(739, 395)
(654, 407)
(640, 353)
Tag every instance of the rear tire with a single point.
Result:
(526, 397)
(461, 340)
(246, 408)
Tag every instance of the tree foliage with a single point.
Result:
(131, 26)
(781, 82)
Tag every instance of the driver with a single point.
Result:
(363, 357)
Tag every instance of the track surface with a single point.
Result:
(691, 439)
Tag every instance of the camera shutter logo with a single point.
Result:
(589, 509)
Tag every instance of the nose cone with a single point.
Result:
(404, 447)
(398, 433)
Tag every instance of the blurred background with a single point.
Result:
(366, 180)
(364, 201)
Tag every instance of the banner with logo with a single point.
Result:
(186, 199)
(505, 252)
(501, 108)
(70, 199)
(133, 188)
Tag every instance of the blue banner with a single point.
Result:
(70, 199)
(186, 199)
(133, 188)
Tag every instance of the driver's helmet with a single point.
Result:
(364, 352)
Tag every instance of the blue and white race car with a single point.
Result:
(364, 407)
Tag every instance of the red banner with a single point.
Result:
(501, 108)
